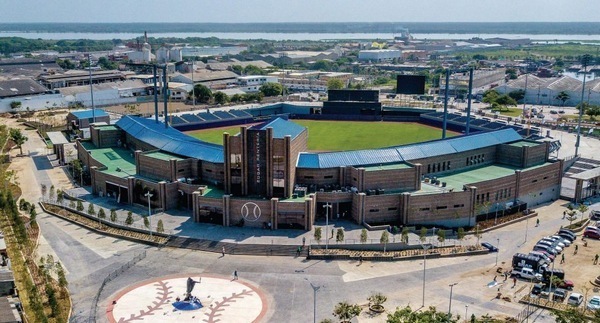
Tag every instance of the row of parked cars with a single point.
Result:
(592, 232)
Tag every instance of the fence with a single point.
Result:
(109, 278)
(526, 313)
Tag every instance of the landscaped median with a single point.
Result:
(103, 226)
(413, 252)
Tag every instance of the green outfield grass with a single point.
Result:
(347, 135)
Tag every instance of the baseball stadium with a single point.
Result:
(285, 165)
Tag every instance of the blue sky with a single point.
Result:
(232, 11)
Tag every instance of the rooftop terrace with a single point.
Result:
(119, 162)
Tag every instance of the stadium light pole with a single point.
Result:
(149, 195)
(91, 87)
(450, 303)
(584, 61)
(327, 207)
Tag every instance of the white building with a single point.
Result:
(545, 90)
(379, 55)
(105, 94)
(252, 83)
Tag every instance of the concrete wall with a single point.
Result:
(34, 102)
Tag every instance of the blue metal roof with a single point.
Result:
(87, 114)
(282, 128)
(408, 152)
(170, 140)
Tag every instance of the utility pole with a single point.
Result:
(450, 304)
(584, 60)
(446, 104)
(425, 248)
(469, 97)
(91, 87)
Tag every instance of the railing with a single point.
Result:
(110, 277)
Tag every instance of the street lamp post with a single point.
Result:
(327, 207)
(149, 195)
(425, 248)
(466, 312)
(450, 304)
(497, 252)
(315, 289)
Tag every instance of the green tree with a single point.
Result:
(460, 234)
(563, 97)
(431, 315)
(15, 105)
(335, 84)
(271, 89)
(106, 64)
(60, 196)
(146, 221)
(52, 301)
(423, 234)
(33, 216)
(236, 98)
(129, 219)
(364, 235)
(318, 234)
(18, 138)
(113, 215)
(346, 311)
(91, 210)
(101, 213)
(79, 206)
(238, 69)
(160, 228)
(517, 95)
(253, 70)
(441, 236)
(62, 279)
(569, 315)
(405, 235)
(339, 235)
(384, 239)
(221, 98)
(51, 193)
(72, 204)
(322, 65)
(203, 94)
(377, 299)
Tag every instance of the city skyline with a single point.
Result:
(230, 11)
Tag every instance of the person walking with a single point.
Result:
(564, 214)
(596, 260)
(537, 222)
(303, 241)
(562, 258)
(514, 282)
(576, 248)
(223, 251)
(235, 275)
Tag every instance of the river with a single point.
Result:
(297, 36)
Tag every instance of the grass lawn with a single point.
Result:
(347, 135)
(512, 112)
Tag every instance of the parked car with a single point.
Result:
(547, 254)
(545, 248)
(575, 299)
(591, 234)
(559, 295)
(594, 303)
(536, 289)
(555, 242)
(489, 247)
(527, 273)
(566, 284)
(567, 242)
(595, 215)
(567, 236)
(550, 244)
(541, 254)
(564, 230)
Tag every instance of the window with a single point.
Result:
(534, 181)
(429, 168)
(208, 170)
(458, 205)
(424, 209)
(328, 176)
(374, 210)
(487, 196)
(309, 177)
(181, 170)
(392, 208)
(448, 165)
(443, 207)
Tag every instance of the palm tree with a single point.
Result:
(563, 97)
(18, 138)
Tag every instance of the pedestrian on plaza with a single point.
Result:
(562, 258)
(564, 214)
(505, 275)
(360, 260)
(576, 248)
(235, 275)
(596, 260)
(303, 241)
(495, 277)
(223, 251)
(514, 282)
(537, 222)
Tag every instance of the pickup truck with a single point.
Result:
(526, 273)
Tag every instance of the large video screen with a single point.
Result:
(353, 95)
(410, 84)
